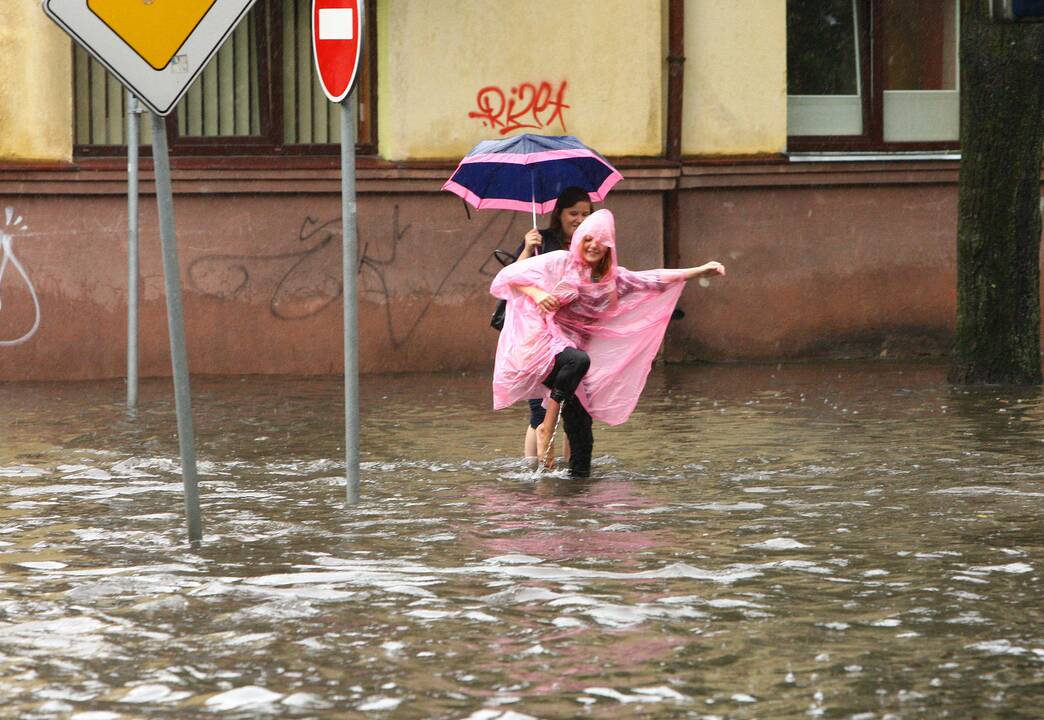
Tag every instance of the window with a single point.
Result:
(872, 74)
(258, 96)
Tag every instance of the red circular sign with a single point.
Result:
(337, 27)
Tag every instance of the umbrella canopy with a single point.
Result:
(528, 172)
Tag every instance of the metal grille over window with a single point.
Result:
(100, 105)
(258, 95)
(308, 117)
(225, 100)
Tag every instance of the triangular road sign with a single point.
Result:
(157, 49)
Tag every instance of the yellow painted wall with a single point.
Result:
(735, 77)
(436, 56)
(35, 85)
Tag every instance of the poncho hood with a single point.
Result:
(601, 225)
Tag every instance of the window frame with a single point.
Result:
(871, 63)
(270, 84)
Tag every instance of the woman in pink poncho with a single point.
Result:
(585, 328)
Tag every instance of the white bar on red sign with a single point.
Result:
(336, 24)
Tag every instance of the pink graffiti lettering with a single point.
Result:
(529, 106)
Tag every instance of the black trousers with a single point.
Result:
(577, 423)
(570, 367)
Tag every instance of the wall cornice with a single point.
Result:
(107, 176)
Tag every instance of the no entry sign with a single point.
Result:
(337, 44)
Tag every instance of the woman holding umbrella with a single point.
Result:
(585, 328)
(571, 207)
(527, 173)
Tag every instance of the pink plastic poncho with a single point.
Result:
(619, 321)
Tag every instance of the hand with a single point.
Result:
(545, 301)
(533, 240)
(711, 269)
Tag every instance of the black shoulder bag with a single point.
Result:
(496, 321)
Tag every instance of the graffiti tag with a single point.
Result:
(528, 105)
(11, 225)
(401, 334)
(304, 281)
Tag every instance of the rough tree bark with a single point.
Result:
(999, 207)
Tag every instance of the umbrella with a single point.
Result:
(526, 172)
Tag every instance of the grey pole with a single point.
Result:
(350, 255)
(176, 326)
(132, 250)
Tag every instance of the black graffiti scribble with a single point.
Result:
(305, 282)
(378, 267)
(298, 292)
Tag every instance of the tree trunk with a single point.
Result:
(999, 208)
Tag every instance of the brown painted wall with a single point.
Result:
(261, 278)
(823, 260)
(821, 271)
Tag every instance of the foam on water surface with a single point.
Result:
(787, 553)
(249, 696)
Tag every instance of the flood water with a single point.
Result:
(806, 540)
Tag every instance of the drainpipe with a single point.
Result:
(675, 91)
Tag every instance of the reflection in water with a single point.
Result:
(1005, 421)
(823, 539)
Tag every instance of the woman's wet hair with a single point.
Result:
(604, 265)
(566, 199)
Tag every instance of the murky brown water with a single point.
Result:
(835, 540)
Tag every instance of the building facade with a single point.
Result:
(810, 145)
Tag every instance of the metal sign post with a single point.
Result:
(337, 39)
(157, 50)
(132, 251)
(176, 327)
(350, 254)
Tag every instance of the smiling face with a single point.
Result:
(572, 216)
(592, 251)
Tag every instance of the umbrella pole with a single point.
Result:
(532, 185)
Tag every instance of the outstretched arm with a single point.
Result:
(660, 280)
(710, 269)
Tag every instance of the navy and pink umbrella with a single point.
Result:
(528, 172)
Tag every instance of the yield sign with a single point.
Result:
(337, 44)
(156, 49)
